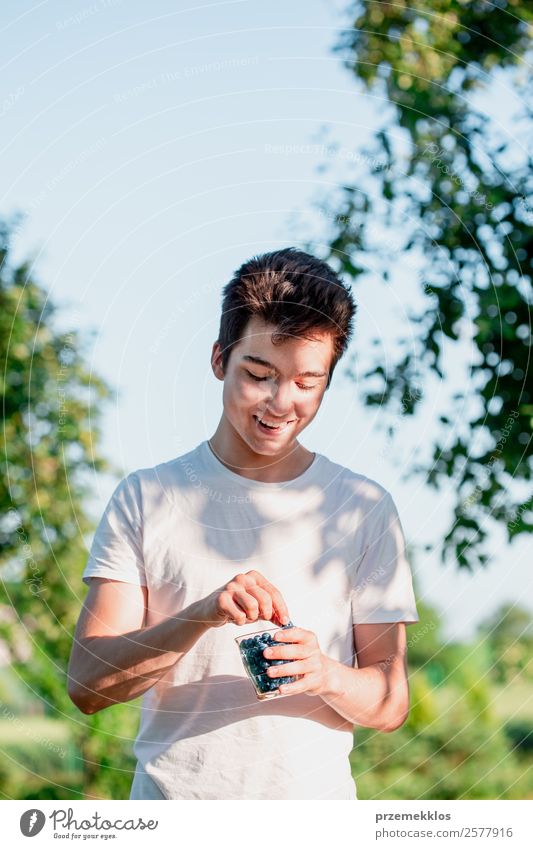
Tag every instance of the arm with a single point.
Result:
(376, 694)
(113, 658)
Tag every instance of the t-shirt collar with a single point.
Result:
(213, 463)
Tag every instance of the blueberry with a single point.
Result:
(256, 664)
(289, 624)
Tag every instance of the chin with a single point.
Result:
(274, 448)
(269, 450)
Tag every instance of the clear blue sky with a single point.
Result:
(143, 142)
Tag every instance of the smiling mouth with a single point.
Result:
(269, 428)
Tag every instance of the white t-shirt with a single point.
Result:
(330, 540)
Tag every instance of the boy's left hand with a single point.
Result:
(309, 662)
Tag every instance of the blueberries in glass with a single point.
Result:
(251, 649)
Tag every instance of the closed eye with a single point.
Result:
(255, 376)
(258, 379)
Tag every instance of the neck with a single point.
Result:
(236, 455)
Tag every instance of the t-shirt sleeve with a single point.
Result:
(116, 550)
(383, 590)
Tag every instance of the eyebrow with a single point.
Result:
(260, 362)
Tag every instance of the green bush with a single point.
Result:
(451, 747)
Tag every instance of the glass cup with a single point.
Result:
(251, 648)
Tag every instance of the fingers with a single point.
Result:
(247, 602)
(296, 635)
(285, 669)
(296, 687)
(278, 601)
(233, 611)
(295, 652)
(250, 597)
(265, 603)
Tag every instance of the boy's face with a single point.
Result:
(265, 384)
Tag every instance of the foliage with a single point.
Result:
(509, 635)
(453, 200)
(451, 747)
(520, 734)
(455, 744)
(50, 444)
(424, 638)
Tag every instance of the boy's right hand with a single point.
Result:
(245, 599)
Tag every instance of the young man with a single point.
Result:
(248, 529)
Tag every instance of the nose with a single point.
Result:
(280, 403)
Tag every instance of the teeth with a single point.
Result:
(274, 427)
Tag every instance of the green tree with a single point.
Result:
(424, 639)
(50, 443)
(509, 635)
(453, 199)
(453, 744)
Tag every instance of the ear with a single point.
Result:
(216, 361)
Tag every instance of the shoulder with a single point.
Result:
(162, 481)
(356, 486)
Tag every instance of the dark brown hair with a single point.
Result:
(293, 290)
